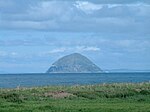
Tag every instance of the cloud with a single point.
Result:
(82, 43)
(68, 50)
(136, 5)
(49, 10)
(30, 25)
(102, 29)
(87, 7)
(58, 50)
(102, 50)
(87, 48)
(77, 16)
(6, 54)
(119, 1)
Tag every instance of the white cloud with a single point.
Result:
(8, 54)
(58, 50)
(87, 48)
(50, 10)
(87, 7)
(127, 5)
(70, 49)
(92, 49)
(45, 9)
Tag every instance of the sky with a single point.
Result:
(114, 34)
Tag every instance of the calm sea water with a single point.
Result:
(30, 80)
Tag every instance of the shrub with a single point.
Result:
(12, 97)
(145, 92)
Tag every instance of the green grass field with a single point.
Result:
(121, 97)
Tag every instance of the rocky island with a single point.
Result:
(74, 63)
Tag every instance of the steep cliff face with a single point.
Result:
(74, 63)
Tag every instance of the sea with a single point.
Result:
(44, 79)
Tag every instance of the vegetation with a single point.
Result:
(91, 98)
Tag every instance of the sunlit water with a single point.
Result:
(30, 80)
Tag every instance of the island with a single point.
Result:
(74, 63)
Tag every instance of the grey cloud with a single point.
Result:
(112, 1)
(65, 16)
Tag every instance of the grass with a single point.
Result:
(123, 97)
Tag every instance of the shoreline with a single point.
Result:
(60, 85)
(104, 72)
